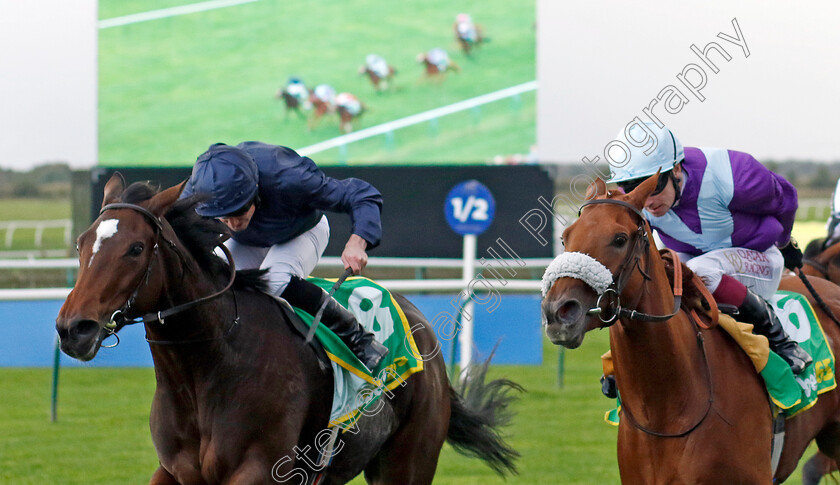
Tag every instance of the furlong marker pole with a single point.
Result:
(465, 334)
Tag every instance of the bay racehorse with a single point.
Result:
(295, 97)
(693, 408)
(240, 398)
(436, 63)
(380, 73)
(468, 34)
(348, 108)
(821, 261)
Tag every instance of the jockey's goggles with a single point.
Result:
(630, 185)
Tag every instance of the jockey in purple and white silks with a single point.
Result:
(726, 215)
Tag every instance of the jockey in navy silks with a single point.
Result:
(727, 216)
(273, 199)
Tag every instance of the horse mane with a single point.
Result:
(692, 297)
(200, 235)
(814, 248)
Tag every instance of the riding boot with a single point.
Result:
(344, 324)
(757, 311)
(309, 297)
(608, 386)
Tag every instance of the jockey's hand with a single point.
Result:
(354, 255)
(792, 255)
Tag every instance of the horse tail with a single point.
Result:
(478, 410)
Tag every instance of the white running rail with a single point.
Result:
(418, 118)
(9, 227)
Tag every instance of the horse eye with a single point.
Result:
(136, 249)
(620, 240)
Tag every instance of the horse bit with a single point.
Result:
(630, 262)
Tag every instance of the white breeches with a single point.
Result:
(296, 257)
(758, 271)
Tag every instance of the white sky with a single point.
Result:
(48, 82)
(600, 63)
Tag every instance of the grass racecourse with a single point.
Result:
(170, 87)
(102, 433)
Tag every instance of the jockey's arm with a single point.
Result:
(757, 190)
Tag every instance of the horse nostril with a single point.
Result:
(569, 311)
(83, 329)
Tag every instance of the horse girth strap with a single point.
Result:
(163, 314)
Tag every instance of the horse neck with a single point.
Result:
(659, 365)
(183, 282)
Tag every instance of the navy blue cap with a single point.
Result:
(228, 175)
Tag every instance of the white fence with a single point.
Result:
(425, 285)
(389, 127)
(9, 228)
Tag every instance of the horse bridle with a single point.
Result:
(632, 261)
(625, 270)
(119, 319)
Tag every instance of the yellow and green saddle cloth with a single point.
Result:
(355, 387)
(792, 394)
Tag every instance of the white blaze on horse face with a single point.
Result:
(104, 230)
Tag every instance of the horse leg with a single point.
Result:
(828, 442)
(815, 468)
(162, 477)
(251, 472)
(410, 456)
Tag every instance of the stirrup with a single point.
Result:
(608, 386)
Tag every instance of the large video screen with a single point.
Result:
(175, 77)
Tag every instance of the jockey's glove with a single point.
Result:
(792, 255)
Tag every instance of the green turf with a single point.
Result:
(102, 434)
(170, 87)
(34, 209)
(23, 209)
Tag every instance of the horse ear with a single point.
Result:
(640, 194)
(161, 202)
(113, 189)
(596, 188)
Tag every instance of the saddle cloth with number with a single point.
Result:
(355, 387)
(792, 394)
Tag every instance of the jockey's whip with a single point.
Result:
(317, 320)
(816, 296)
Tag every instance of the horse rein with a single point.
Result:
(119, 319)
(631, 262)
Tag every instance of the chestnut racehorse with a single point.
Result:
(240, 397)
(693, 408)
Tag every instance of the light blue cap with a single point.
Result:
(659, 150)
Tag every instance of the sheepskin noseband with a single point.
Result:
(580, 266)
